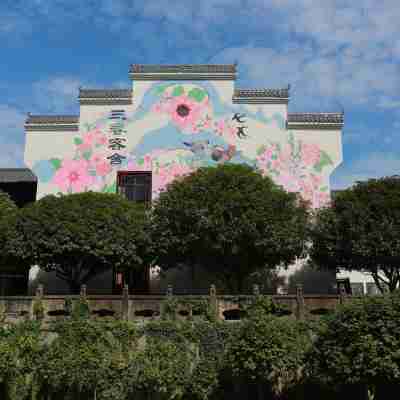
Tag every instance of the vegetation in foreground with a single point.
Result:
(352, 353)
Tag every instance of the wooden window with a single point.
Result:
(135, 186)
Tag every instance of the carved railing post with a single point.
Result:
(300, 301)
(214, 302)
(83, 292)
(125, 302)
(169, 290)
(37, 305)
(39, 292)
(342, 293)
(256, 290)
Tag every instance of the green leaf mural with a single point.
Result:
(323, 161)
(160, 88)
(112, 188)
(261, 150)
(87, 154)
(78, 141)
(56, 163)
(197, 94)
(178, 91)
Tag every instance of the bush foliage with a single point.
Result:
(231, 220)
(361, 230)
(354, 350)
(79, 235)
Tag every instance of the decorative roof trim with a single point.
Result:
(331, 121)
(153, 72)
(52, 123)
(261, 96)
(105, 96)
(11, 175)
(51, 128)
(250, 93)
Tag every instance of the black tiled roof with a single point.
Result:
(17, 175)
(52, 119)
(105, 93)
(184, 68)
(319, 118)
(246, 93)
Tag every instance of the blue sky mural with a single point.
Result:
(336, 55)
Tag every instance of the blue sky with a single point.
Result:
(335, 54)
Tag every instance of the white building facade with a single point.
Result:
(174, 119)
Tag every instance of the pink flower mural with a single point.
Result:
(165, 174)
(73, 176)
(100, 164)
(216, 138)
(297, 166)
(310, 153)
(184, 112)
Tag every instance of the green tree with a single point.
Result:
(80, 235)
(8, 209)
(7, 206)
(230, 220)
(21, 349)
(361, 231)
(360, 345)
(269, 351)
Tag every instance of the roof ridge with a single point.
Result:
(316, 117)
(262, 92)
(187, 68)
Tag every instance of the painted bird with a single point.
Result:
(220, 154)
(197, 147)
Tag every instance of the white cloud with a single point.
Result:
(10, 118)
(56, 94)
(386, 102)
(318, 80)
(11, 136)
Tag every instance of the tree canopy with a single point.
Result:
(269, 350)
(359, 345)
(361, 231)
(7, 206)
(231, 220)
(79, 235)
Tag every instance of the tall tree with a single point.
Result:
(359, 346)
(79, 235)
(231, 220)
(7, 206)
(361, 231)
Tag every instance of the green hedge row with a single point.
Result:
(355, 351)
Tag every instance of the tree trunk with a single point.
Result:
(74, 287)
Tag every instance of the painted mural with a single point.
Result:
(179, 127)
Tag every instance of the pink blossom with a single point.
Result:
(266, 156)
(316, 181)
(321, 199)
(184, 112)
(73, 175)
(133, 164)
(220, 127)
(207, 123)
(276, 164)
(166, 174)
(306, 190)
(286, 154)
(87, 141)
(101, 139)
(157, 108)
(310, 153)
(100, 164)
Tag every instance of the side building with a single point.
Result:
(174, 119)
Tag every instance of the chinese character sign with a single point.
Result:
(117, 138)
